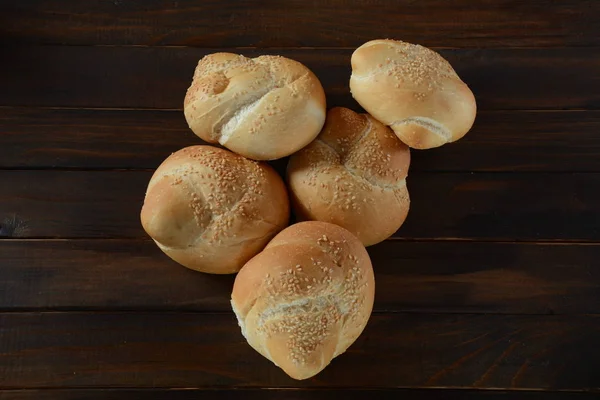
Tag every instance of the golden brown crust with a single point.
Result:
(306, 297)
(353, 175)
(212, 210)
(263, 108)
(413, 90)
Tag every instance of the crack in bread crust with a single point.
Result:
(399, 185)
(354, 173)
(430, 124)
(227, 125)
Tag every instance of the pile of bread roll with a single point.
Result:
(304, 292)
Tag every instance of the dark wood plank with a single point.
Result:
(71, 204)
(69, 138)
(289, 394)
(515, 278)
(104, 139)
(525, 206)
(150, 77)
(208, 350)
(490, 206)
(300, 23)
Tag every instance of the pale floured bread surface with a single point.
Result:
(353, 175)
(414, 90)
(306, 297)
(263, 108)
(212, 210)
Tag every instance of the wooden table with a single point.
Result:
(490, 290)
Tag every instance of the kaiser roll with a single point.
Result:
(352, 175)
(212, 210)
(413, 90)
(306, 297)
(263, 108)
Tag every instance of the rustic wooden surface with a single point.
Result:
(490, 290)
(289, 394)
(444, 276)
(155, 77)
(333, 23)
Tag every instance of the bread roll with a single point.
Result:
(263, 108)
(413, 90)
(306, 297)
(352, 175)
(212, 210)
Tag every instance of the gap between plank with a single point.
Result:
(17, 106)
(547, 242)
(126, 109)
(154, 311)
(304, 48)
(291, 389)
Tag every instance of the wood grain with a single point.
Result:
(299, 23)
(289, 394)
(491, 283)
(118, 275)
(207, 350)
(149, 77)
(96, 139)
(564, 141)
(490, 206)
